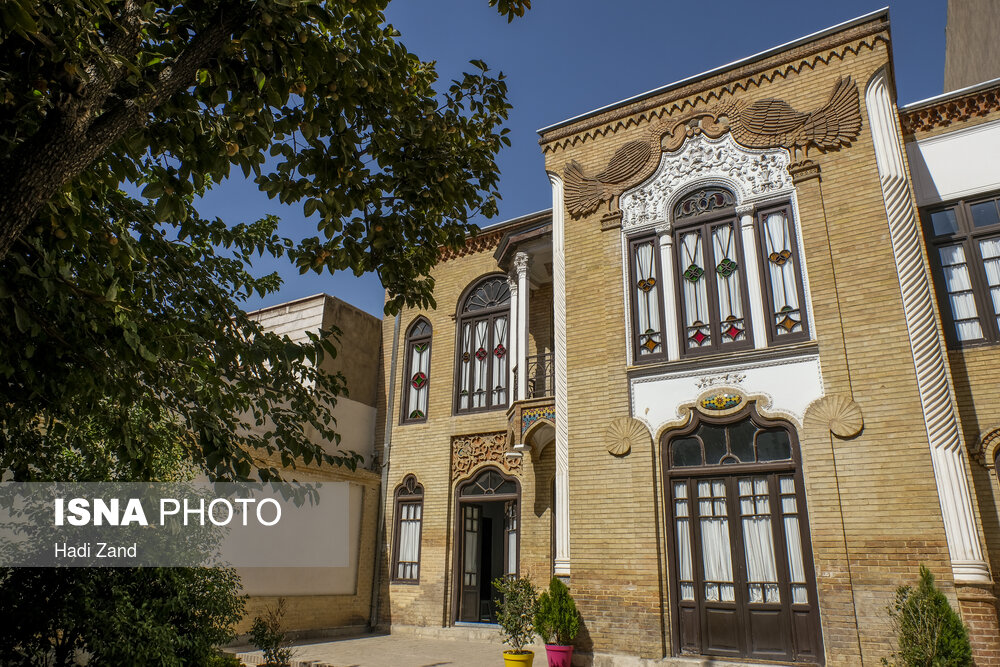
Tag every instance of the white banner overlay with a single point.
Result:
(186, 524)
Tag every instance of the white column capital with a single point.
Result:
(521, 264)
(663, 230)
(743, 210)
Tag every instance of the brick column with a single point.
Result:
(978, 606)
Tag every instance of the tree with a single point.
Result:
(117, 304)
(928, 631)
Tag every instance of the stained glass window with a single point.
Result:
(783, 282)
(417, 373)
(646, 297)
(710, 272)
(483, 357)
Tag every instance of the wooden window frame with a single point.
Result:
(471, 318)
(731, 472)
(773, 339)
(634, 317)
(967, 236)
(409, 492)
(705, 223)
(411, 340)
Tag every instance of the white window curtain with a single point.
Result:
(793, 538)
(716, 553)
(480, 356)
(647, 299)
(463, 389)
(959, 287)
(685, 562)
(990, 250)
(499, 356)
(781, 270)
(695, 290)
(727, 276)
(758, 540)
(420, 354)
(409, 540)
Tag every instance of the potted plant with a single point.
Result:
(516, 614)
(557, 619)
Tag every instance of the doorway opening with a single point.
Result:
(487, 542)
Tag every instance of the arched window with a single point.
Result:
(742, 578)
(409, 518)
(482, 363)
(417, 374)
(714, 310)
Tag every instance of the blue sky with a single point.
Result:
(566, 57)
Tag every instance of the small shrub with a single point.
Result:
(516, 611)
(223, 659)
(557, 616)
(267, 635)
(928, 631)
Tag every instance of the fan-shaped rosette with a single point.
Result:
(841, 413)
(623, 434)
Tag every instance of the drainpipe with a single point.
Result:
(380, 531)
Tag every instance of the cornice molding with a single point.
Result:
(719, 87)
(954, 110)
(482, 242)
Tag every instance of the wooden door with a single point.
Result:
(471, 523)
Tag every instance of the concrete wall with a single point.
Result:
(323, 599)
(972, 50)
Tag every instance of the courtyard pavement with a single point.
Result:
(391, 651)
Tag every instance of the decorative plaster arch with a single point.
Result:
(753, 175)
(761, 402)
(989, 447)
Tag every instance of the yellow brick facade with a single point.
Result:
(873, 508)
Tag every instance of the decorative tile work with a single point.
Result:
(531, 415)
(721, 401)
(468, 451)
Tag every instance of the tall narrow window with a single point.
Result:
(711, 285)
(417, 373)
(782, 276)
(482, 346)
(647, 300)
(409, 517)
(965, 252)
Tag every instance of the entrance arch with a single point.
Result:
(741, 572)
(487, 541)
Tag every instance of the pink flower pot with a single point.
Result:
(559, 656)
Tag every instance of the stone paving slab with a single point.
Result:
(392, 651)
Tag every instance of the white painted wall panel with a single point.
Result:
(955, 165)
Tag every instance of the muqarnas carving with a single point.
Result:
(767, 123)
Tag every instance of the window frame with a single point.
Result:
(462, 318)
(967, 236)
(408, 492)
(657, 266)
(704, 224)
(731, 472)
(773, 338)
(410, 341)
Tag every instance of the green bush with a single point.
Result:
(557, 615)
(267, 635)
(928, 631)
(516, 610)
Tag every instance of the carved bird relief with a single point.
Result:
(767, 123)
(773, 123)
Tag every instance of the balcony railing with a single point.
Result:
(540, 381)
